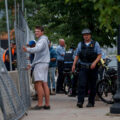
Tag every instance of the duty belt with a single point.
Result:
(87, 66)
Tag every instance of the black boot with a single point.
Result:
(80, 105)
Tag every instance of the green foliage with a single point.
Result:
(109, 12)
(106, 20)
(3, 26)
(66, 18)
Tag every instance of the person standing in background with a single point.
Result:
(52, 68)
(6, 58)
(60, 50)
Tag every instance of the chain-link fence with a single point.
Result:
(21, 39)
(30, 35)
(10, 103)
(1, 52)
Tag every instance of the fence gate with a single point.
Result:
(10, 102)
(21, 39)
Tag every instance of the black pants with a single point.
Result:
(7, 64)
(87, 76)
(60, 79)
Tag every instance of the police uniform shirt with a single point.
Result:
(97, 48)
(60, 52)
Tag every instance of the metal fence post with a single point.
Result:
(21, 39)
(2, 106)
(15, 11)
(0, 43)
(23, 6)
(7, 20)
(0, 39)
(10, 102)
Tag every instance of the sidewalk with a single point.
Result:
(64, 108)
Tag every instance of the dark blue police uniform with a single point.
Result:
(87, 54)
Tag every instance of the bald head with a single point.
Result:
(62, 42)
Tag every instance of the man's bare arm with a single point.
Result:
(96, 61)
(74, 63)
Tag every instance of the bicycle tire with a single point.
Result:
(65, 85)
(103, 88)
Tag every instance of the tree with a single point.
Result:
(67, 19)
(109, 12)
(3, 27)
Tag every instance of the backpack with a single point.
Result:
(68, 56)
(68, 60)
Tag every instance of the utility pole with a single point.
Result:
(115, 108)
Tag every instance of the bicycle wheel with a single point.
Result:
(105, 92)
(65, 85)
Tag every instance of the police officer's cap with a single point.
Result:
(86, 31)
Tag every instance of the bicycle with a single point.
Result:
(67, 85)
(106, 88)
(70, 80)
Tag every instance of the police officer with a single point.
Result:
(89, 53)
(60, 50)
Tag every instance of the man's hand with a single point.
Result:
(74, 63)
(93, 65)
(24, 49)
(73, 68)
(28, 67)
(96, 61)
